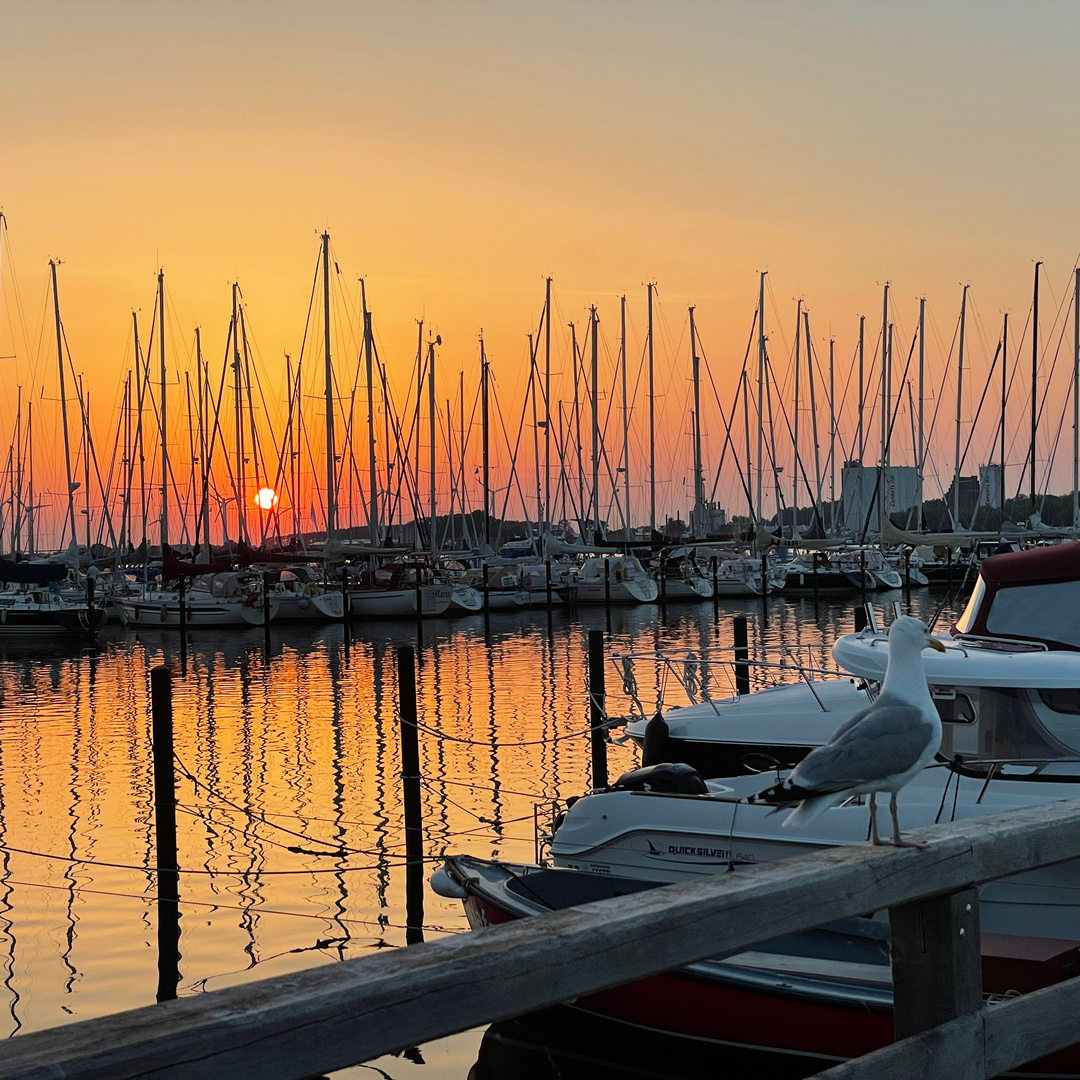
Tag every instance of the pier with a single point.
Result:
(318, 1020)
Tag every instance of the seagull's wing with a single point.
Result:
(889, 738)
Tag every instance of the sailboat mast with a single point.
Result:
(884, 378)
(760, 394)
(461, 457)
(431, 436)
(63, 400)
(862, 386)
(547, 405)
(534, 380)
(652, 413)
(697, 527)
(31, 509)
(17, 481)
(959, 402)
(164, 444)
(577, 430)
(1034, 377)
(593, 323)
(1004, 388)
(626, 422)
(795, 434)
(1076, 399)
(832, 438)
(328, 381)
(373, 483)
(485, 447)
(920, 460)
(238, 409)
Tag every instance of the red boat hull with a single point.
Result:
(681, 1004)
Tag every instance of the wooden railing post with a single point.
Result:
(936, 961)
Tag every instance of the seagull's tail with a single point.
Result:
(809, 809)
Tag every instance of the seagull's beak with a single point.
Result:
(933, 643)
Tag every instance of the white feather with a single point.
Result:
(809, 809)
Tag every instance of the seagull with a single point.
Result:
(881, 748)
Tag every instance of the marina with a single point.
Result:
(539, 542)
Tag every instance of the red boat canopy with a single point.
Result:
(1061, 562)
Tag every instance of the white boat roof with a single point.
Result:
(966, 662)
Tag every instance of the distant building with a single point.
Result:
(868, 491)
(970, 493)
(708, 521)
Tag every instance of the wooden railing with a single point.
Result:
(322, 1019)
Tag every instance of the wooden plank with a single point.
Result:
(329, 1017)
(999, 1037)
(936, 960)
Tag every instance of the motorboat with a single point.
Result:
(1007, 687)
(1015, 650)
(819, 575)
(615, 579)
(818, 997)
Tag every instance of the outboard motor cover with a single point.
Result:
(674, 778)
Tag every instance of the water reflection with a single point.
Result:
(290, 821)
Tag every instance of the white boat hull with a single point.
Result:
(164, 612)
(399, 603)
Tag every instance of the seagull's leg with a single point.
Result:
(874, 838)
(896, 838)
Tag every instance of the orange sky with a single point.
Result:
(459, 153)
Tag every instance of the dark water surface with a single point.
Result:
(306, 742)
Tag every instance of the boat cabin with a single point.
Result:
(1031, 595)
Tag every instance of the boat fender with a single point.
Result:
(164, 613)
(303, 604)
(442, 884)
(656, 746)
(674, 778)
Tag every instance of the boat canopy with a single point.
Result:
(29, 573)
(1031, 595)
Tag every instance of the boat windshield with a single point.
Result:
(966, 623)
(1043, 612)
(1047, 612)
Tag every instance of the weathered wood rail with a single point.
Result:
(330, 1017)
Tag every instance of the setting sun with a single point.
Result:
(266, 498)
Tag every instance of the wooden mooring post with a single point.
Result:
(742, 655)
(597, 734)
(168, 878)
(410, 792)
(309, 1022)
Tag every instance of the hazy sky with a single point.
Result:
(460, 152)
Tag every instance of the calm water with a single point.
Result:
(305, 741)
